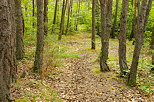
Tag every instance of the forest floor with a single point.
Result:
(78, 79)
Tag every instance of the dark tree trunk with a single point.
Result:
(106, 13)
(115, 20)
(152, 47)
(138, 45)
(62, 19)
(40, 37)
(55, 12)
(152, 39)
(7, 49)
(122, 38)
(68, 17)
(93, 25)
(46, 17)
(33, 11)
(19, 31)
(133, 32)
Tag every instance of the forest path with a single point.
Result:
(81, 80)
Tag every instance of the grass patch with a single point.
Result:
(96, 70)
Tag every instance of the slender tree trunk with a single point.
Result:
(68, 17)
(98, 27)
(138, 45)
(133, 32)
(62, 19)
(46, 17)
(152, 39)
(148, 9)
(115, 20)
(19, 30)
(7, 49)
(13, 30)
(93, 25)
(33, 11)
(55, 12)
(122, 38)
(40, 37)
(152, 47)
(106, 13)
(77, 15)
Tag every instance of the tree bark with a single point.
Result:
(19, 31)
(148, 9)
(133, 32)
(40, 37)
(68, 17)
(46, 17)
(7, 49)
(152, 45)
(55, 12)
(115, 20)
(33, 11)
(138, 45)
(93, 25)
(98, 27)
(77, 14)
(122, 38)
(62, 19)
(106, 13)
(152, 48)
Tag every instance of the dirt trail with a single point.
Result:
(79, 83)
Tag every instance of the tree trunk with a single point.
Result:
(138, 45)
(7, 49)
(133, 32)
(13, 31)
(93, 25)
(77, 15)
(152, 47)
(122, 38)
(115, 20)
(148, 9)
(46, 17)
(97, 12)
(55, 12)
(68, 17)
(40, 37)
(106, 13)
(19, 31)
(33, 11)
(62, 19)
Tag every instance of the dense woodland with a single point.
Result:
(76, 50)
